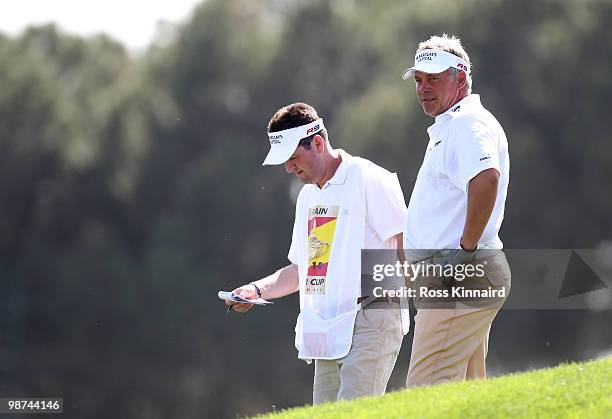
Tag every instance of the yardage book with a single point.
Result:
(230, 296)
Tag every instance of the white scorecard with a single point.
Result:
(230, 296)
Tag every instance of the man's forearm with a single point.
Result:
(283, 282)
(482, 193)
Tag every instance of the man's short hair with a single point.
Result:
(450, 44)
(295, 115)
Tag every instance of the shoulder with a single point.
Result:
(475, 123)
(366, 168)
(473, 116)
(376, 180)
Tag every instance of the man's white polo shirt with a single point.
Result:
(463, 141)
(360, 207)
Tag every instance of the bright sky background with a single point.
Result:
(133, 22)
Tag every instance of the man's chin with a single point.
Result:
(425, 110)
(428, 109)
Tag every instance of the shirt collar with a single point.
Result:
(459, 108)
(340, 175)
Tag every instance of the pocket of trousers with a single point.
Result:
(373, 319)
(497, 271)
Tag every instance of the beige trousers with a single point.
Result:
(451, 343)
(365, 370)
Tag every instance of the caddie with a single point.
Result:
(456, 210)
(346, 204)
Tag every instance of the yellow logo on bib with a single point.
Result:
(321, 229)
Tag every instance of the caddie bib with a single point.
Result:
(331, 224)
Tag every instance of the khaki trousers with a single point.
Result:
(365, 370)
(451, 343)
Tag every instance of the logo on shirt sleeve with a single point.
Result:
(321, 230)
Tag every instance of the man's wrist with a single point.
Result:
(468, 249)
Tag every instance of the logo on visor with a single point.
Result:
(275, 139)
(426, 56)
(312, 130)
(462, 67)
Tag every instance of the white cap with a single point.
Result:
(284, 143)
(434, 61)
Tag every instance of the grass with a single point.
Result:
(582, 390)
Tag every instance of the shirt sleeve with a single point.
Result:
(385, 205)
(472, 149)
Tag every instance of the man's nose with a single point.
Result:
(422, 87)
(289, 166)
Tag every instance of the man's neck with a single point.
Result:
(331, 165)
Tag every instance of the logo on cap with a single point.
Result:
(312, 130)
(426, 56)
(275, 139)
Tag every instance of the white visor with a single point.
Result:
(284, 143)
(434, 61)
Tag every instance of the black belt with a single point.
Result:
(380, 300)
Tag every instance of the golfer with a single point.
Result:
(346, 204)
(456, 207)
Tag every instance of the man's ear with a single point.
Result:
(318, 142)
(461, 79)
